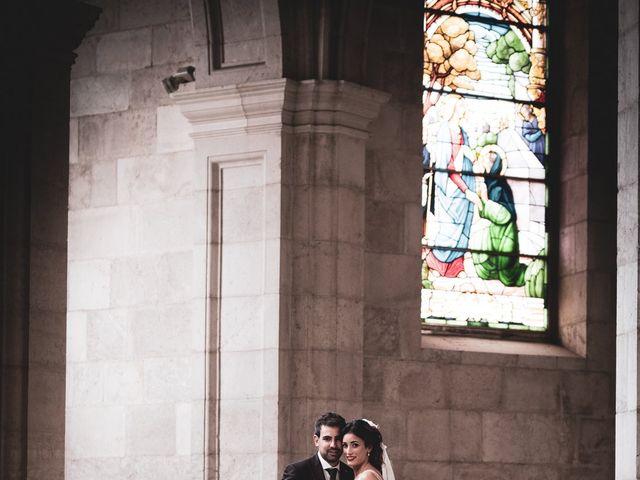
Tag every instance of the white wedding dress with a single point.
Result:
(361, 475)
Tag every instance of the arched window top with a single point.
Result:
(485, 240)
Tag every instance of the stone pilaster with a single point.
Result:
(628, 265)
(281, 186)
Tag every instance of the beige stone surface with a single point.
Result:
(573, 190)
(147, 179)
(172, 130)
(104, 233)
(415, 385)
(94, 432)
(148, 330)
(107, 335)
(167, 379)
(394, 284)
(165, 47)
(626, 435)
(573, 289)
(123, 383)
(85, 385)
(466, 436)
(588, 393)
(166, 226)
(124, 51)
(85, 61)
(508, 438)
(532, 390)
(93, 281)
(183, 428)
(92, 185)
(73, 141)
(100, 94)
(429, 435)
(76, 343)
(432, 470)
(123, 134)
(626, 439)
(628, 224)
(474, 387)
(497, 471)
(135, 14)
(79, 185)
(151, 430)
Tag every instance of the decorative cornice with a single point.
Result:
(282, 104)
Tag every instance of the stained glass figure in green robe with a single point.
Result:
(496, 255)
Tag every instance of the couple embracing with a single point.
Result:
(359, 440)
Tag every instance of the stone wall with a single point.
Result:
(628, 236)
(141, 302)
(464, 408)
(134, 358)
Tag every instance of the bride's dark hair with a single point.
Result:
(371, 436)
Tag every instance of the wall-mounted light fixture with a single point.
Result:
(183, 75)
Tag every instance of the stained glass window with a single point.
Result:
(484, 191)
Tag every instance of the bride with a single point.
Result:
(365, 452)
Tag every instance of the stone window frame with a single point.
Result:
(550, 335)
(581, 287)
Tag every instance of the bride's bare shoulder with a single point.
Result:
(369, 475)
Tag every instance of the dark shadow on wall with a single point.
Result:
(38, 39)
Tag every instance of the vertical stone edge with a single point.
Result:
(628, 235)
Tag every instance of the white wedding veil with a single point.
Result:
(387, 468)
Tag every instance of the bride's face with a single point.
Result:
(355, 450)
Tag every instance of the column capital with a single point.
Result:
(51, 31)
(279, 105)
(336, 106)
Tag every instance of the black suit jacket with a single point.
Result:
(311, 469)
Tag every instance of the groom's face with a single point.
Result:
(329, 444)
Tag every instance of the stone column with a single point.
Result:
(281, 194)
(38, 45)
(628, 235)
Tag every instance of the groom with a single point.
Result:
(326, 464)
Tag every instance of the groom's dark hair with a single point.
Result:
(330, 419)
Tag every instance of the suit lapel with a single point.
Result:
(318, 473)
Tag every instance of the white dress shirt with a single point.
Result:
(326, 465)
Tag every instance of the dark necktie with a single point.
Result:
(332, 473)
